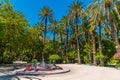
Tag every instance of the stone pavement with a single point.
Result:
(78, 72)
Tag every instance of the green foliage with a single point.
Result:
(88, 53)
(54, 58)
(7, 57)
(66, 61)
(18, 40)
(2, 23)
(98, 57)
(72, 54)
(25, 58)
(113, 61)
(87, 61)
(50, 49)
(108, 48)
(88, 48)
(117, 65)
(34, 61)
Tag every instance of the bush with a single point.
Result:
(87, 53)
(117, 65)
(87, 60)
(113, 61)
(72, 55)
(34, 61)
(98, 57)
(54, 58)
(66, 61)
(25, 58)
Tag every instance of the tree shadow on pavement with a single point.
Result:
(32, 78)
(15, 77)
(6, 74)
(10, 77)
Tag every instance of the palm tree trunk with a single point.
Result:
(44, 39)
(113, 28)
(86, 36)
(78, 47)
(45, 31)
(94, 47)
(100, 44)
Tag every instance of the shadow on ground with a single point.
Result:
(15, 77)
(8, 75)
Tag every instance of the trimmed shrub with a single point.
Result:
(54, 58)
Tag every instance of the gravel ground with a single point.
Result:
(78, 72)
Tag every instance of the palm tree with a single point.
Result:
(65, 22)
(96, 16)
(75, 10)
(60, 30)
(107, 6)
(85, 28)
(46, 14)
(92, 31)
(117, 21)
(98, 9)
(53, 27)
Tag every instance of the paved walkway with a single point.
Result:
(78, 72)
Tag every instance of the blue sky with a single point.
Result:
(31, 8)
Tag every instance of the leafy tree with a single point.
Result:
(14, 25)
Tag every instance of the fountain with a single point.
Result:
(42, 69)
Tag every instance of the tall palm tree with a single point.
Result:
(107, 6)
(92, 31)
(65, 21)
(75, 10)
(96, 16)
(61, 32)
(53, 28)
(46, 14)
(85, 28)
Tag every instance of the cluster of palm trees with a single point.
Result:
(81, 25)
(81, 35)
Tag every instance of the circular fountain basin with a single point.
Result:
(40, 72)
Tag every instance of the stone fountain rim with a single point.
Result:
(64, 70)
